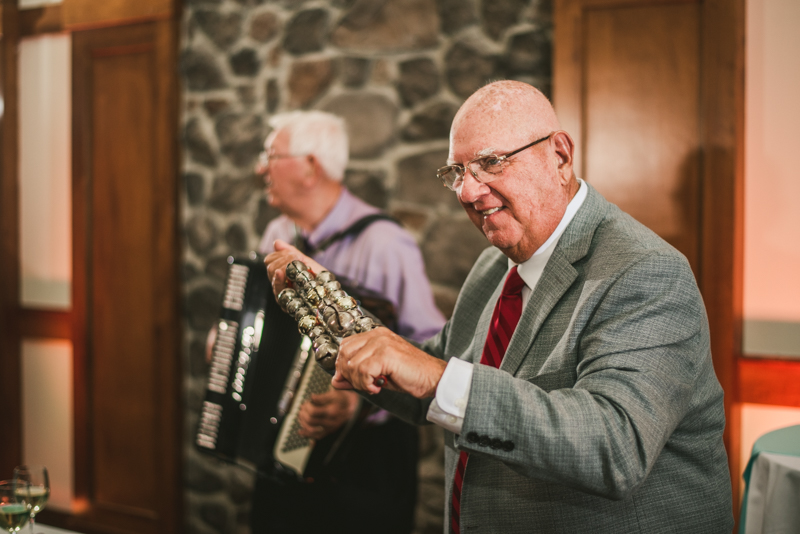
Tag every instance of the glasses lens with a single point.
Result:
(490, 165)
(450, 176)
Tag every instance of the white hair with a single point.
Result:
(316, 133)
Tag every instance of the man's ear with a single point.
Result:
(312, 171)
(565, 151)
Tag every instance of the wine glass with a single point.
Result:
(39, 491)
(14, 506)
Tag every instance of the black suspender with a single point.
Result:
(352, 230)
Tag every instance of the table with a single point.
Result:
(44, 529)
(772, 493)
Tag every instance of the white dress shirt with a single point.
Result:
(448, 408)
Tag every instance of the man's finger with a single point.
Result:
(318, 400)
(340, 382)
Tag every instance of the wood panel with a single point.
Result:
(10, 393)
(41, 20)
(44, 324)
(127, 376)
(641, 122)
(769, 381)
(123, 382)
(652, 89)
(80, 14)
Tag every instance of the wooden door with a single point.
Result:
(127, 356)
(124, 323)
(652, 92)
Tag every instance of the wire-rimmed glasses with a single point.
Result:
(264, 157)
(491, 166)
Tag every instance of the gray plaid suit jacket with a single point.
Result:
(606, 414)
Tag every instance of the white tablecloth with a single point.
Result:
(773, 499)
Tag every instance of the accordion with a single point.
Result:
(261, 372)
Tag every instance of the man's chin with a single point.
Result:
(498, 235)
(506, 242)
(497, 239)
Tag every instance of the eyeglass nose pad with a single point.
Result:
(472, 172)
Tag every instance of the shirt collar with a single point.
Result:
(334, 221)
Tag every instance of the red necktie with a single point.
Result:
(506, 315)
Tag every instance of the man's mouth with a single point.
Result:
(488, 212)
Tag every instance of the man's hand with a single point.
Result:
(277, 261)
(381, 352)
(326, 412)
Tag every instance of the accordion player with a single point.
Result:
(261, 371)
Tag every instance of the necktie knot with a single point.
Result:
(514, 283)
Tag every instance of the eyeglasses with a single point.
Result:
(265, 157)
(491, 166)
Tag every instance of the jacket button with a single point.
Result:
(508, 446)
(472, 437)
(496, 444)
(484, 441)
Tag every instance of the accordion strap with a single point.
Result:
(353, 230)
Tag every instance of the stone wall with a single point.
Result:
(396, 70)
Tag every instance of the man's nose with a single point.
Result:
(471, 189)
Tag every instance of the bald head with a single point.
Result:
(509, 107)
(518, 207)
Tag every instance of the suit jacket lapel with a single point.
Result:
(558, 275)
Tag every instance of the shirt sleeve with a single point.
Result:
(448, 408)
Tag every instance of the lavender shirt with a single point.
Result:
(383, 258)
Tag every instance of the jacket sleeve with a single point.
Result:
(639, 345)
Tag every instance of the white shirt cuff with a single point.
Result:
(450, 404)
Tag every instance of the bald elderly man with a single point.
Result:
(574, 379)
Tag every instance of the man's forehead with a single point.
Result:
(467, 143)
(276, 137)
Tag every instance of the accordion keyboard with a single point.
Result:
(222, 356)
(319, 382)
(292, 449)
